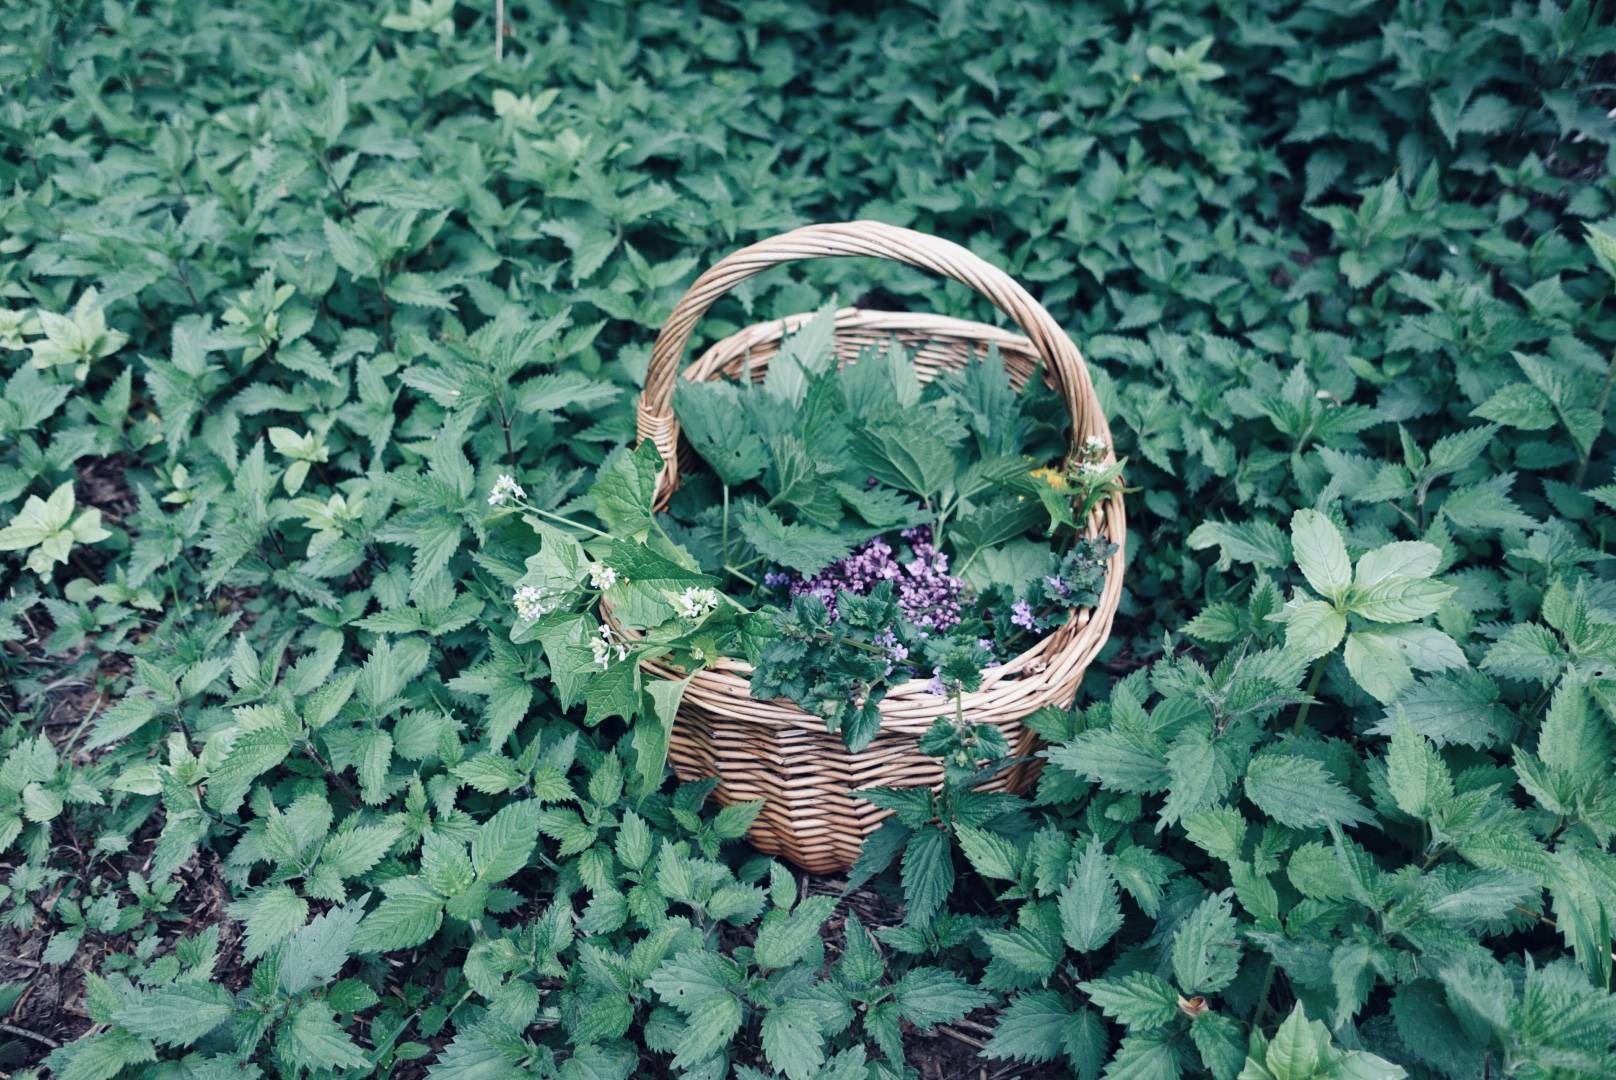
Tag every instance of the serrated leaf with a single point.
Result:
(927, 996)
(928, 875)
(1090, 908)
(784, 939)
(505, 841)
(177, 1014)
(1297, 792)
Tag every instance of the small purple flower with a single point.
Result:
(1022, 616)
(897, 651)
(935, 687)
(928, 595)
(1057, 585)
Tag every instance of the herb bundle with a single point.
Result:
(854, 529)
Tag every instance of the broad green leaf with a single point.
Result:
(1321, 554)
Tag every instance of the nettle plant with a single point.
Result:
(283, 295)
(1376, 605)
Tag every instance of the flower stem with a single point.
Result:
(736, 573)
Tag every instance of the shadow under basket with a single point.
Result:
(772, 750)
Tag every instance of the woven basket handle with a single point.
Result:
(872, 238)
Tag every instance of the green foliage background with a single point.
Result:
(285, 285)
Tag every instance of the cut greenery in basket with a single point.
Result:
(855, 529)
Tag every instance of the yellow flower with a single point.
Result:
(1052, 477)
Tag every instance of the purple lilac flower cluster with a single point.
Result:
(928, 595)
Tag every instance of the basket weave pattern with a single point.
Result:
(772, 750)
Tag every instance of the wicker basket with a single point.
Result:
(771, 750)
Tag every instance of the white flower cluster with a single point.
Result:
(695, 603)
(1092, 457)
(602, 576)
(504, 490)
(533, 602)
(606, 648)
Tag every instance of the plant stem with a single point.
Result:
(563, 520)
(735, 573)
(1261, 1012)
(723, 541)
(1312, 685)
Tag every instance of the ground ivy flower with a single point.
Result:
(504, 490)
(1022, 616)
(695, 603)
(897, 651)
(532, 602)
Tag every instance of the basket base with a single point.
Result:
(806, 779)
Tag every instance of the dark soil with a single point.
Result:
(50, 1011)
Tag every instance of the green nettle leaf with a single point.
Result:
(697, 985)
(504, 842)
(928, 875)
(1031, 1027)
(270, 917)
(410, 914)
(792, 1039)
(1418, 779)
(784, 939)
(1140, 1001)
(178, 1014)
(1299, 793)
(1206, 950)
(1321, 554)
(805, 548)
(1090, 909)
(928, 996)
(312, 1039)
(1116, 759)
(252, 753)
(711, 415)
